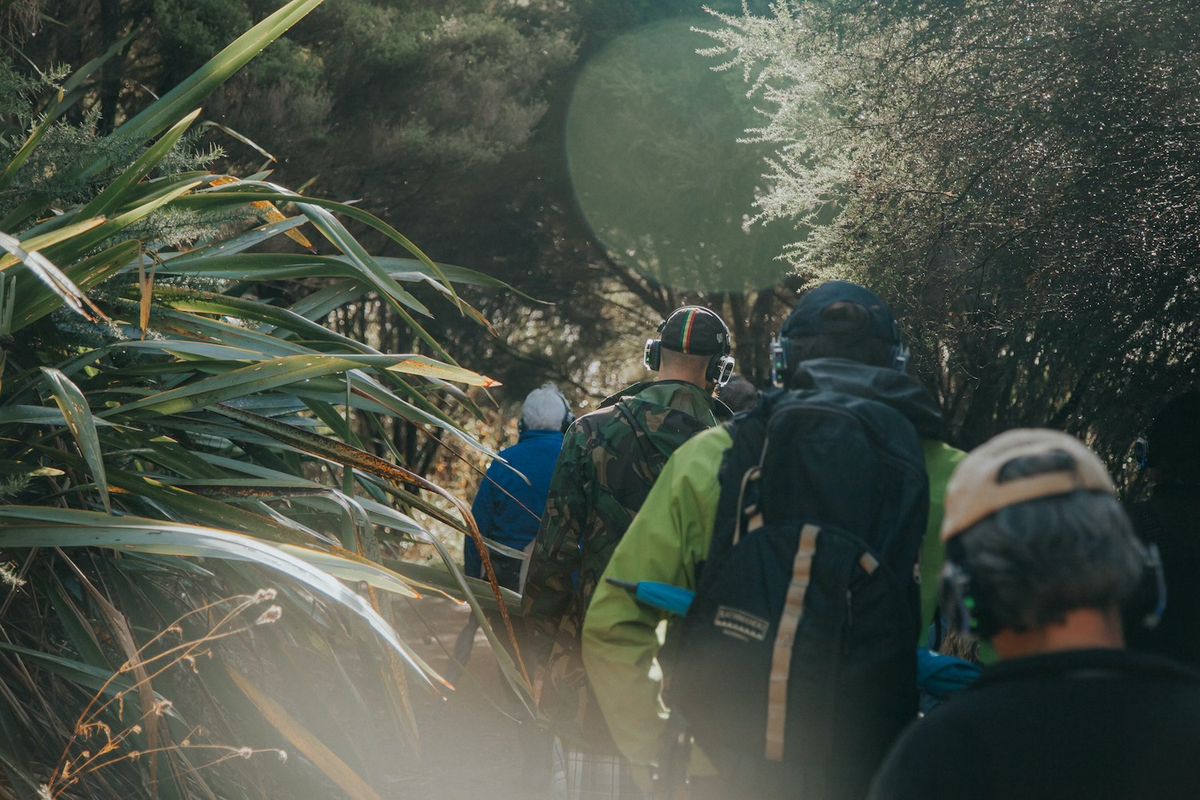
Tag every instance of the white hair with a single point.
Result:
(544, 409)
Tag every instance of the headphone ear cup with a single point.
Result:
(720, 369)
(653, 354)
(568, 416)
(900, 352)
(981, 623)
(1141, 453)
(1151, 599)
(966, 615)
(951, 599)
(779, 361)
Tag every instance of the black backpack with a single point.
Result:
(795, 668)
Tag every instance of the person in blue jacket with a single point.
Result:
(508, 509)
(512, 497)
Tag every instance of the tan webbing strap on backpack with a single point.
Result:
(781, 658)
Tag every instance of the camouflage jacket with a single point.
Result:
(609, 461)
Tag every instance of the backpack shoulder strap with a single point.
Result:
(639, 434)
(739, 469)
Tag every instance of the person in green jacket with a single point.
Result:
(609, 461)
(671, 534)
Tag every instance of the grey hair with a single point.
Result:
(544, 409)
(1033, 562)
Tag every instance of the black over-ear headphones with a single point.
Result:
(963, 612)
(967, 612)
(720, 366)
(901, 355)
(568, 415)
(567, 419)
(1141, 452)
(784, 359)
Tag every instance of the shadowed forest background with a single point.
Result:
(1021, 180)
(517, 190)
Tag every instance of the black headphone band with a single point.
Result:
(719, 369)
(720, 365)
(783, 357)
(568, 414)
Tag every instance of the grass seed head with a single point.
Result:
(272, 614)
(9, 576)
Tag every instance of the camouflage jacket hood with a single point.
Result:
(647, 405)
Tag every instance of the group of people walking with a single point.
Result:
(819, 597)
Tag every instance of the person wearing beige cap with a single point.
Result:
(1040, 559)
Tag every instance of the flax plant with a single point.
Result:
(176, 421)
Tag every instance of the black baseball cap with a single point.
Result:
(805, 319)
(695, 330)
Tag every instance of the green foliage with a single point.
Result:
(197, 28)
(407, 85)
(18, 93)
(652, 143)
(432, 113)
(450, 116)
(1015, 175)
(179, 426)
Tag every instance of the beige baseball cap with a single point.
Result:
(975, 491)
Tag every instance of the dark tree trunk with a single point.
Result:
(113, 74)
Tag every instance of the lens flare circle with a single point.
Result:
(658, 171)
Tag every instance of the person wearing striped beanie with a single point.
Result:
(610, 460)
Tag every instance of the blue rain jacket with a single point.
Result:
(500, 518)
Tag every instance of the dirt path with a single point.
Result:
(471, 742)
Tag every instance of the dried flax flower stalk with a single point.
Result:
(94, 745)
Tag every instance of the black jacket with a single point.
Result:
(1088, 724)
(1169, 520)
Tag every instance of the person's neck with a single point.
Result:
(684, 376)
(1081, 629)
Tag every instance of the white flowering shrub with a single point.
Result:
(1018, 178)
